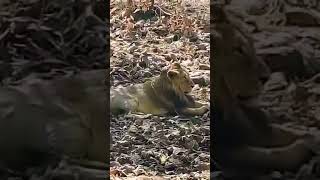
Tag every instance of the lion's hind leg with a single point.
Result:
(121, 105)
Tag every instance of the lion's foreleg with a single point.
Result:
(198, 104)
(193, 111)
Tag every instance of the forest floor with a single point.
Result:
(169, 147)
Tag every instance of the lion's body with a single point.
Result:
(159, 96)
(62, 116)
(245, 139)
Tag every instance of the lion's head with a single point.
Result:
(179, 78)
(239, 73)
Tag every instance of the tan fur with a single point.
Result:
(245, 139)
(63, 116)
(164, 94)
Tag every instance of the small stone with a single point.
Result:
(204, 67)
(277, 81)
(276, 175)
(132, 48)
(200, 80)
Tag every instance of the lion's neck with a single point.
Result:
(162, 87)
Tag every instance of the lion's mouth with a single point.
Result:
(188, 91)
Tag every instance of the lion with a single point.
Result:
(40, 120)
(244, 138)
(165, 94)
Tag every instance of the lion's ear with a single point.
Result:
(175, 65)
(172, 74)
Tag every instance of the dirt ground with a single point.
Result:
(146, 145)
